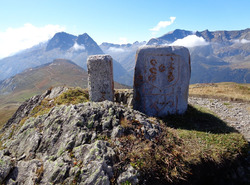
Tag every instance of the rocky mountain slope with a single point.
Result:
(62, 45)
(222, 37)
(61, 138)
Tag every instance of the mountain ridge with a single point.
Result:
(210, 36)
(61, 40)
(221, 56)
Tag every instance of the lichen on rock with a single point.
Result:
(72, 144)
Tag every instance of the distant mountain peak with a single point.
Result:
(170, 37)
(61, 40)
(89, 44)
(83, 39)
(65, 42)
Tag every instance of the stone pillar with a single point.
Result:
(161, 80)
(100, 78)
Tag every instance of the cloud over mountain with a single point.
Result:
(15, 39)
(190, 41)
(114, 49)
(78, 47)
(242, 41)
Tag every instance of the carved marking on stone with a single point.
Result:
(158, 68)
(152, 77)
(153, 70)
(153, 62)
(162, 68)
(165, 89)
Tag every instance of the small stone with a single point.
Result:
(117, 132)
(130, 175)
(100, 78)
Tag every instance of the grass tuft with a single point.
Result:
(71, 96)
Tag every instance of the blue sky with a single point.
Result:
(117, 21)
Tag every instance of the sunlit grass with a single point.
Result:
(226, 90)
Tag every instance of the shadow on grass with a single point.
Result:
(199, 120)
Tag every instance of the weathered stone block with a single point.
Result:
(100, 78)
(161, 80)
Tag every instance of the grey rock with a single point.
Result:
(6, 165)
(130, 176)
(117, 132)
(28, 173)
(56, 91)
(97, 158)
(100, 78)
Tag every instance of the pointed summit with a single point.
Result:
(170, 37)
(89, 44)
(61, 40)
(176, 34)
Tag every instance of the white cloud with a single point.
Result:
(244, 41)
(78, 47)
(163, 24)
(113, 49)
(15, 39)
(190, 41)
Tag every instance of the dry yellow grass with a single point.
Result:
(6, 113)
(226, 90)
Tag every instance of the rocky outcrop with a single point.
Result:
(71, 144)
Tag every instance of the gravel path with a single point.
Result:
(236, 114)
